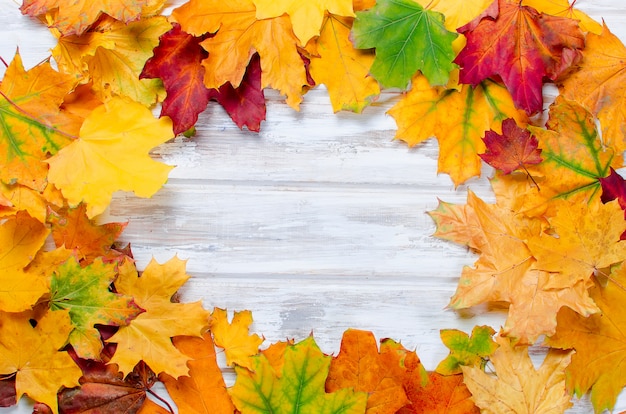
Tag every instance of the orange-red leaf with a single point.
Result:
(521, 46)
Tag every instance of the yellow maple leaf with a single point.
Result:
(600, 344)
(112, 55)
(563, 8)
(238, 344)
(148, 337)
(519, 388)
(584, 239)
(33, 354)
(600, 85)
(239, 35)
(119, 130)
(306, 16)
(21, 237)
(342, 68)
(458, 119)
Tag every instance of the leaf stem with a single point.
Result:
(158, 397)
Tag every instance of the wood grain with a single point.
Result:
(316, 224)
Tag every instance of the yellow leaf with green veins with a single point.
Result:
(297, 388)
(119, 130)
(84, 292)
(458, 119)
(29, 119)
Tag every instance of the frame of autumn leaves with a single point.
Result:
(97, 332)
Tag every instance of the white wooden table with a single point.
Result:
(315, 224)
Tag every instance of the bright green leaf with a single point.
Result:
(297, 387)
(466, 350)
(84, 291)
(407, 38)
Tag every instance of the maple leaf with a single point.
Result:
(238, 344)
(445, 394)
(599, 342)
(599, 85)
(297, 388)
(506, 269)
(30, 113)
(465, 350)
(239, 35)
(74, 17)
(84, 292)
(458, 119)
(563, 8)
(360, 366)
(519, 388)
(306, 17)
(177, 61)
(204, 390)
(112, 54)
(147, 337)
(33, 354)
(515, 148)
(21, 237)
(18, 197)
(572, 150)
(342, 68)
(83, 170)
(584, 238)
(74, 230)
(407, 38)
(8, 397)
(522, 47)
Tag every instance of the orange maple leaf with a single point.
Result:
(238, 35)
(442, 394)
(360, 366)
(204, 390)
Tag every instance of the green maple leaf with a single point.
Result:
(466, 350)
(407, 38)
(297, 386)
(84, 291)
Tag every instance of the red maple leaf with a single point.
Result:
(177, 61)
(512, 150)
(522, 47)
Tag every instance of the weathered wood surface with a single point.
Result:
(317, 224)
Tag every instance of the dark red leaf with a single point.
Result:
(7, 392)
(512, 150)
(245, 104)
